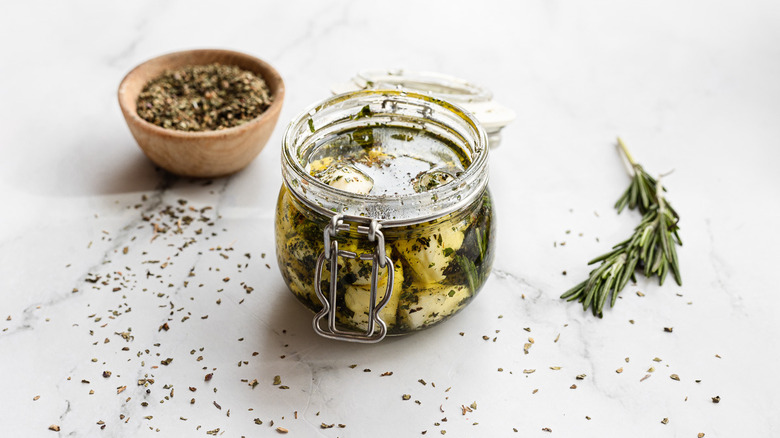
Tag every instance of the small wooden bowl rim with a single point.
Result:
(277, 94)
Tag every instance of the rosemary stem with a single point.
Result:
(630, 159)
(659, 195)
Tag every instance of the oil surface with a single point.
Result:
(386, 161)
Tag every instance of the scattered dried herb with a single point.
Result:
(203, 98)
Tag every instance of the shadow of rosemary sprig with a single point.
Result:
(651, 248)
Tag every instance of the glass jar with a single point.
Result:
(373, 262)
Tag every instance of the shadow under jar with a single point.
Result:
(384, 223)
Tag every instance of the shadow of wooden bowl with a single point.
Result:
(205, 153)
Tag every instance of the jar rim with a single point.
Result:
(396, 209)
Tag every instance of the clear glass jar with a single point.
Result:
(373, 264)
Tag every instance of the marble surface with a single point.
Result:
(87, 283)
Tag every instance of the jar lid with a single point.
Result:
(473, 98)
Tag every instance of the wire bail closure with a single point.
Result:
(377, 329)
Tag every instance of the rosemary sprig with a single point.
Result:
(651, 247)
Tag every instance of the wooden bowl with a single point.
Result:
(205, 153)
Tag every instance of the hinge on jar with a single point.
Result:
(377, 329)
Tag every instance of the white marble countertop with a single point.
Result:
(690, 86)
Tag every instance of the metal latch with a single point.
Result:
(377, 329)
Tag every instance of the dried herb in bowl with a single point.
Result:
(203, 98)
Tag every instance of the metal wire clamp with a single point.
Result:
(377, 329)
